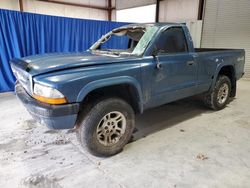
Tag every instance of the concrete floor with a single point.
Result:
(181, 144)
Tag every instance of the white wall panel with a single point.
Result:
(137, 14)
(40, 7)
(77, 12)
(195, 28)
(182, 11)
(55, 9)
(113, 17)
(9, 4)
(178, 10)
(124, 4)
(102, 3)
(66, 10)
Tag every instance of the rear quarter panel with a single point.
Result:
(211, 62)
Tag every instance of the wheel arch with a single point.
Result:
(229, 71)
(115, 86)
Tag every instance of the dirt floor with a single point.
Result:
(182, 144)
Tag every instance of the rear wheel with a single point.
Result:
(220, 95)
(107, 128)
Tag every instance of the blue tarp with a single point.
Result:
(23, 34)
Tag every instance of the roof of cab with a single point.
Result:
(159, 24)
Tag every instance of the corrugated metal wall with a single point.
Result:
(226, 24)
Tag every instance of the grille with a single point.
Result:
(23, 78)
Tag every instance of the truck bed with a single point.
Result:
(220, 57)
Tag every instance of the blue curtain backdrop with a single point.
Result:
(23, 34)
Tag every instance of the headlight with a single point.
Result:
(48, 95)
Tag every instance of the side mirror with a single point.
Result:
(155, 52)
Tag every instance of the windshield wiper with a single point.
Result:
(106, 51)
(116, 53)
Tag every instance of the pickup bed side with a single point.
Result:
(219, 61)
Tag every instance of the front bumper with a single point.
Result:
(54, 116)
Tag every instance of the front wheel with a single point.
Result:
(220, 95)
(107, 128)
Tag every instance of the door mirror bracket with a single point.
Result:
(155, 52)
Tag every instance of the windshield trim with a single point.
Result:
(94, 47)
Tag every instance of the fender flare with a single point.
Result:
(97, 84)
(218, 69)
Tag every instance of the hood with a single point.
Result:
(39, 64)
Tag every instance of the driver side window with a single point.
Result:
(172, 41)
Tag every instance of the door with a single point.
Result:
(176, 74)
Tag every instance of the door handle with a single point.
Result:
(190, 63)
(159, 65)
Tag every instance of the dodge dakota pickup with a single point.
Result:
(98, 92)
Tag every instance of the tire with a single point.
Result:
(220, 95)
(107, 128)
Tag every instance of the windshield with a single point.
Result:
(128, 41)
